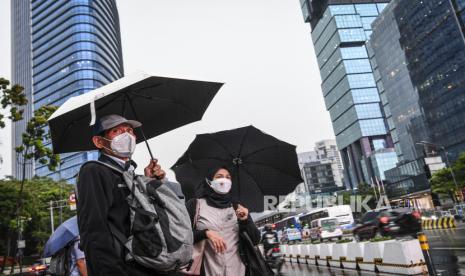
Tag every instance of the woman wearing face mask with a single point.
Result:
(218, 221)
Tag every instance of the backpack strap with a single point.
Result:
(197, 212)
(114, 168)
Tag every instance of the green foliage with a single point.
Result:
(33, 146)
(379, 239)
(442, 182)
(37, 194)
(346, 240)
(14, 98)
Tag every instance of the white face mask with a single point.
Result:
(221, 185)
(123, 145)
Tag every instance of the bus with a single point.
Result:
(289, 229)
(271, 218)
(343, 213)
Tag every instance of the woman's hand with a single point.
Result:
(218, 242)
(242, 213)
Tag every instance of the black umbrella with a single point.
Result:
(260, 164)
(161, 104)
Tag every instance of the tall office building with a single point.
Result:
(406, 121)
(67, 48)
(340, 29)
(420, 50)
(432, 38)
(21, 73)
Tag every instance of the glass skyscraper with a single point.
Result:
(75, 47)
(340, 30)
(420, 50)
(432, 38)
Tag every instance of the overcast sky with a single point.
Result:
(261, 49)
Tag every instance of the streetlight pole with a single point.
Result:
(451, 170)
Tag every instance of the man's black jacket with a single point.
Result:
(102, 199)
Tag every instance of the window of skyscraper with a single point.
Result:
(366, 9)
(354, 52)
(342, 9)
(366, 111)
(361, 80)
(365, 95)
(373, 127)
(352, 35)
(348, 21)
(357, 66)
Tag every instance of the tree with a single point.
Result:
(37, 194)
(12, 98)
(33, 149)
(442, 182)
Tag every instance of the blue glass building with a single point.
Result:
(420, 50)
(340, 30)
(432, 38)
(76, 47)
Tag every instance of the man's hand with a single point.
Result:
(154, 170)
(218, 242)
(242, 213)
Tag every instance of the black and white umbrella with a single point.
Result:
(161, 104)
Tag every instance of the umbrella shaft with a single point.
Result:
(141, 127)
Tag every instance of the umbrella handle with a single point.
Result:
(141, 127)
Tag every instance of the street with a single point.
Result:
(447, 250)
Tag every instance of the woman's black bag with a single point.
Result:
(254, 261)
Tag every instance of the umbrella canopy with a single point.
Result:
(259, 163)
(161, 104)
(65, 233)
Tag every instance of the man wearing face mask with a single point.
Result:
(102, 198)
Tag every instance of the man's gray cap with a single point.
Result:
(110, 121)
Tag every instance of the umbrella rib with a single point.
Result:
(263, 149)
(251, 176)
(243, 140)
(163, 99)
(220, 144)
(100, 107)
(208, 158)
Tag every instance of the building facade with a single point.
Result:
(322, 169)
(419, 48)
(432, 38)
(340, 30)
(21, 73)
(402, 108)
(74, 47)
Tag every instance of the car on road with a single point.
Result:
(325, 229)
(389, 222)
(39, 268)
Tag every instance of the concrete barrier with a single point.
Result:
(285, 250)
(305, 254)
(294, 252)
(355, 251)
(392, 256)
(315, 252)
(403, 258)
(339, 254)
(326, 254)
(373, 255)
(300, 252)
